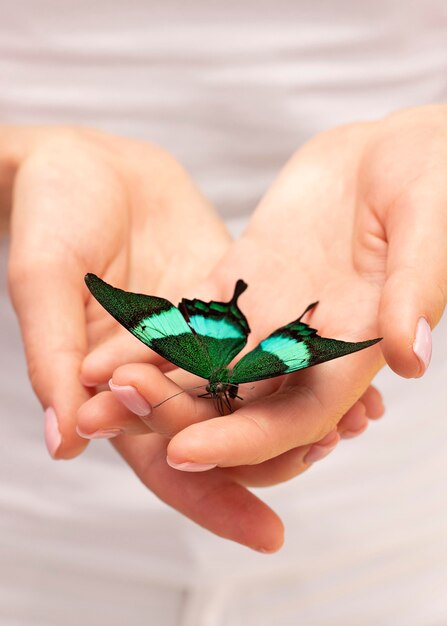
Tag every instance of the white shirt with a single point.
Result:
(232, 89)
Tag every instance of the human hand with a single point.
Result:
(358, 220)
(85, 201)
(351, 199)
(287, 409)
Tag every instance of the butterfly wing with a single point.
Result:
(156, 322)
(291, 348)
(221, 327)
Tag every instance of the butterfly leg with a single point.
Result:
(232, 390)
(227, 401)
(218, 404)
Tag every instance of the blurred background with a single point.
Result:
(232, 90)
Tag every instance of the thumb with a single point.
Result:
(415, 290)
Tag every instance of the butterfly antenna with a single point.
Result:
(179, 393)
(311, 306)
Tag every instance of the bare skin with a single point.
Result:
(84, 201)
(364, 200)
(333, 188)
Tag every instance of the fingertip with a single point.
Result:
(67, 396)
(197, 444)
(273, 539)
(104, 417)
(372, 399)
(400, 354)
(131, 398)
(398, 326)
(61, 443)
(119, 350)
(422, 344)
(95, 369)
(53, 437)
(409, 308)
(135, 373)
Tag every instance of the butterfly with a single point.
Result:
(204, 337)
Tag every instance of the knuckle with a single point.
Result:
(64, 155)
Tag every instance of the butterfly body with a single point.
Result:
(221, 393)
(204, 337)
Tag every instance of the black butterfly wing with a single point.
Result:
(157, 323)
(291, 348)
(221, 327)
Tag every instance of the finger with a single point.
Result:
(296, 461)
(354, 422)
(372, 399)
(119, 349)
(51, 315)
(145, 399)
(304, 409)
(105, 417)
(285, 466)
(212, 500)
(131, 406)
(415, 291)
(165, 405)
(51, 238)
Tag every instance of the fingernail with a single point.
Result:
(190, 467)
(318, 452)
(53, 437)
(105, 433)
(131, 399)
(422, 345)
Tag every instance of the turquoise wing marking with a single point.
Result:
(157, 323)
(221, 327)
(291, 348)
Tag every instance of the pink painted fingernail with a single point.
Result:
(318, 452)
(190, 467)
(105, 433)
(422, 345)
(131, 399)
(53, 437)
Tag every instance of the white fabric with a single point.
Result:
(232, 89)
